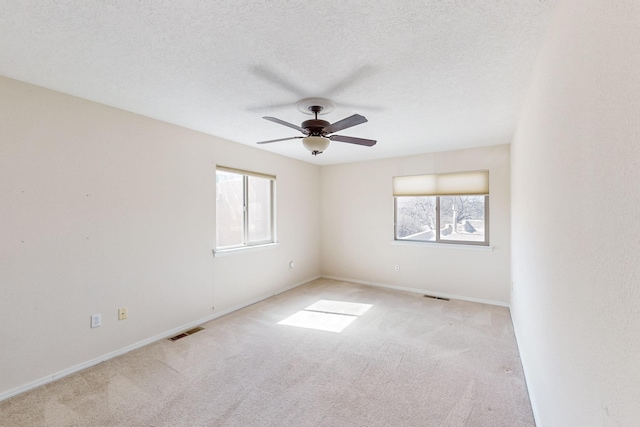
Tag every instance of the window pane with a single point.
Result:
(229, 209)
(259, 210)
(462, 218)
(416, 218)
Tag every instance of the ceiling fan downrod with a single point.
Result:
(315, 109)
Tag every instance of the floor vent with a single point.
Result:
(186, 334)
(435, 297)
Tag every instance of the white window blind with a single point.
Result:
(243, 172)
(442, 184)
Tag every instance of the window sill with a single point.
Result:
(244, 249)
(444, 245)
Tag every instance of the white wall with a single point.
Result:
(357, 228)
(101, 209)
(576, 219)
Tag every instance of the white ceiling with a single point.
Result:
(428, 75)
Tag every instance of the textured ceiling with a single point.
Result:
(428, 75)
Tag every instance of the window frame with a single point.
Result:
(246, 220)
(453, 184)
(438, 226)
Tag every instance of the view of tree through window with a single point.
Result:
(461, 218)
(416, 218)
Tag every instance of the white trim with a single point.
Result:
(523, 363)
(440, 245)
(243, 249)
(72, 370)
(422, 291)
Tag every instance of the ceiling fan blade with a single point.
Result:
(291, 125)
(271, 107)
(353, 140)
(278, 140)
(350, 121)
(278, 80)
(355, 77)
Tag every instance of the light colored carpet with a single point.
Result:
(406, 361)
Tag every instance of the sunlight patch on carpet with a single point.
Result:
(320, 321)
(339, 307)
(327, 315)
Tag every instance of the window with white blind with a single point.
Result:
(450, 208)
(244, 208)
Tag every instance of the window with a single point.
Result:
(244, 208)
(442, 208)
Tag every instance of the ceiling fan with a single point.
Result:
(317, 131)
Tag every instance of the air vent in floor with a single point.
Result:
(186, 334)
(435, 297)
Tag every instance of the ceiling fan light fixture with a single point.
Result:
(315, 144)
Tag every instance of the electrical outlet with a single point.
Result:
(397, 267)
(122, 313)
(96, 320)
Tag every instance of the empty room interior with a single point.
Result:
(320, 213)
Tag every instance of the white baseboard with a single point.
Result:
(72, 370)
(421, 291)
(523, 361)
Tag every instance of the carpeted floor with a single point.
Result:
(406, 361)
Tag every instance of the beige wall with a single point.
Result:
(101, 209)
(357, 228)
(576, 227)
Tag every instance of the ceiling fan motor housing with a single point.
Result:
(315, 127)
